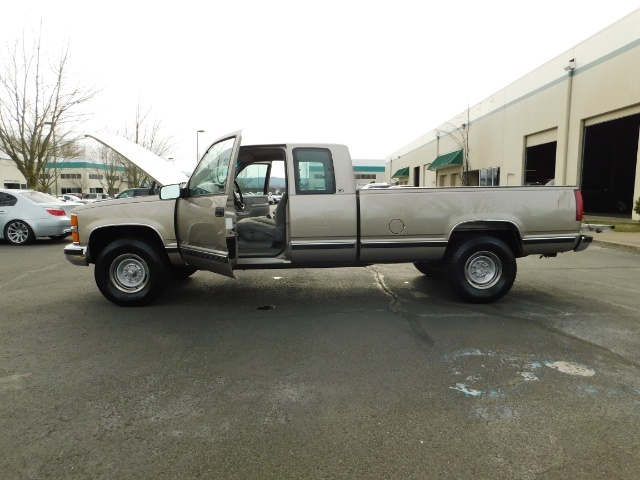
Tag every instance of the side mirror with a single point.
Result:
(170, 192)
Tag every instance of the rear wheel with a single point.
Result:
(621, 206)
(180, 273)
(131, 272)
(481, 269)
(58, 237)
(433, 269)
(18, 232)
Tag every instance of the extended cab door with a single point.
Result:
(205, 216)
(323, 215)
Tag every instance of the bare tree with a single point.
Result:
(52, 169)
(147, 133)
(460, 135)
(38, 109)
(79, 182)
(108, 168)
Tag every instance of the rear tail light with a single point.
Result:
(56, 212)
(74, 228)
(579, 205)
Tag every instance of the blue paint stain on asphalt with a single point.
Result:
(591, 390)
(472, 393)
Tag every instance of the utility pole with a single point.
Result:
(197, 146)
(55, 158)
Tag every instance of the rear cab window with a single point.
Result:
(314, 173)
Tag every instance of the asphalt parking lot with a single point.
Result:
(345, 373)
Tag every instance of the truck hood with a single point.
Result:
(150, 163)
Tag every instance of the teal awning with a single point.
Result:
(403, 172)
(450, 159)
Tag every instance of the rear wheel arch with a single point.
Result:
(505, 231)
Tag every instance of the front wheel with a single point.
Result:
(131, 272)
(481, 269)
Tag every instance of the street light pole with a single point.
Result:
(197, 146)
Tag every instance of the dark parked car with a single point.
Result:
(95, 197)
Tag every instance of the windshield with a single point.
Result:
(211, 175)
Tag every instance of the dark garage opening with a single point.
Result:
(540, 164)
(609, 166)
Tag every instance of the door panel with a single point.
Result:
(323, 229)
(323, 221)
(205, 218)
(202, 232)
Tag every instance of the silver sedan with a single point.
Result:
(27, 214)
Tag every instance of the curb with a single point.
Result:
(616, 246)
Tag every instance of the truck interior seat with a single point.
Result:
(261, 229)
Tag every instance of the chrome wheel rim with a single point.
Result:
(129, 273)
(18, 232)
(483, 270)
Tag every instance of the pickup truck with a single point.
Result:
(220, 220)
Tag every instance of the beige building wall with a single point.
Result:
(10, 175)
(594, 82)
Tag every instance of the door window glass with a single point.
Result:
(253, 178)
(7, 200)
(212, 174)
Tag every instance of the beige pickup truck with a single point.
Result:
(220, 220)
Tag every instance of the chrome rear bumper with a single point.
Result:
(583, 243)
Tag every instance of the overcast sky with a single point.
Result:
(374, 75)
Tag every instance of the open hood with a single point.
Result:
(150, 163)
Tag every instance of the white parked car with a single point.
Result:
(27, 214)
(274, 198)
(67, 197)
(375, 185)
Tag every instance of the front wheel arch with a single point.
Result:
(481, 269)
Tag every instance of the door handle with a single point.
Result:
(219, 211)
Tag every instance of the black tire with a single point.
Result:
(180, 273)
(481, 269)
(18, 232)
(59, 237)
(433, 269)
(131, 272)
(621, 206)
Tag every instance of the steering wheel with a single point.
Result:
(238, 200)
